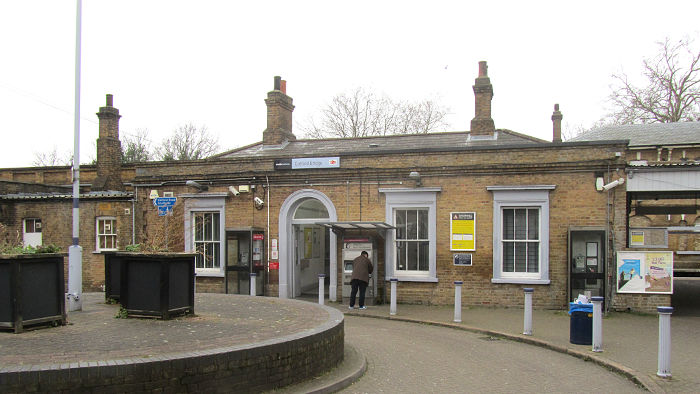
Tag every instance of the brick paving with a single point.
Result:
(95, 335)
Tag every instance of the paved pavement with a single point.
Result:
(630, 341)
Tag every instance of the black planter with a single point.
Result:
(113, 275)
(159, 284)
(31, 290)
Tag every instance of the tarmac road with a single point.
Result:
(411, 358)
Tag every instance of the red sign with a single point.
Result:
(274, 265)
(258, 237)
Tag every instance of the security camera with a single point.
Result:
(233, 190)
(613, 184)
(258, 201)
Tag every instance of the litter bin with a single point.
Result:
(581, 323)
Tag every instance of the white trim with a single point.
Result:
(525, 196)
(286, 239)
(208, 204)
(114, 233)
(406, 198)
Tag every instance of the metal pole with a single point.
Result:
(458, 301)
(664, 341)
(253, 277)
(527, 319)
(597, 324)
(320, 288)
(75, 252)
(392, 307)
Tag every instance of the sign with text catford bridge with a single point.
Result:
(307, 163)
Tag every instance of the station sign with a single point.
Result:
(164, 204)
(307, 163)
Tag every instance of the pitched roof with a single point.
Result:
(392, 143)
(680, 133)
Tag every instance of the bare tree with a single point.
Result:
(52, 158)
(189, 142)
(136, 147)
(362, 113)
(672, 90)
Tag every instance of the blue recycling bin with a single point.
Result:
(581, 323)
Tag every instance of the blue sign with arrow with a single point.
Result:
(164, 204)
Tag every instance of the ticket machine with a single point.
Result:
(353, 247)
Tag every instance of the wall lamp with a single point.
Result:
(415, 175)
(197, 185)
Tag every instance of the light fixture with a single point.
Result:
(415, 175)
(197, 185)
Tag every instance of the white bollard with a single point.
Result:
(527, 319)
(320, 288)
(392, 307)
(458, 301)
(664, 341)
(253, 276)
(597, 324)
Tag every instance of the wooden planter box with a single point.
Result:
(113, 275)
(32, 290)
(158, 285)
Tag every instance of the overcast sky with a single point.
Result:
(212, 63)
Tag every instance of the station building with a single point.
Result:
(493, 208)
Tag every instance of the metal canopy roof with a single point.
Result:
(342, 226)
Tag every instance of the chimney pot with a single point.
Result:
(483, 69)
(283, 86)
(110, 100)
(278, 80)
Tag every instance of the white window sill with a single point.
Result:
(104, 250)
(408, 278)
(521, 281)
(209, 274)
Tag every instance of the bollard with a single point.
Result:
(253, 276)
(664, 341)
(392, 308)
(597, 324)
(527, 319)
(320, 288)
(458, 301)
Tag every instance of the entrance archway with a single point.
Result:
(299, 250)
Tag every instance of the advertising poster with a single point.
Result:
(462, 231)
(645, 272)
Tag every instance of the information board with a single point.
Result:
(462, 231)
(645, 272)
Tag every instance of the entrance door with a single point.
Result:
(311, 258)
(587, 263)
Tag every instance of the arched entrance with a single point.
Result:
(306, 249)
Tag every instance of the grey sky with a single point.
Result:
(212, 62)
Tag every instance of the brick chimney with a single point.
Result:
(482, 124)
(109, 152)
(556, 123)
(279, 115)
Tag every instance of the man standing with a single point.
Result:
(361, 268)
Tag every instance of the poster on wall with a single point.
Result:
(462, 231)
(645, 272)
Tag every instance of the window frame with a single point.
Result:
(525, 196)
(205, 242)
(112, 234)
(407, 240)
(209, 202)
(411, 199)
(526, 241)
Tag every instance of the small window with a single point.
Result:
(106, 233)
(32, 232)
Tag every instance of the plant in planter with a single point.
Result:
(31, 285)
(153, 279)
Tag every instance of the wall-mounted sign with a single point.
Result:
(258, 237)
(636, 238)
(307, 163)
(274, 265)
(463, 259)
(462, 231)
(164, 204)
(645, 272)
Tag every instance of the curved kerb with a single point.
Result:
(251, 367)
